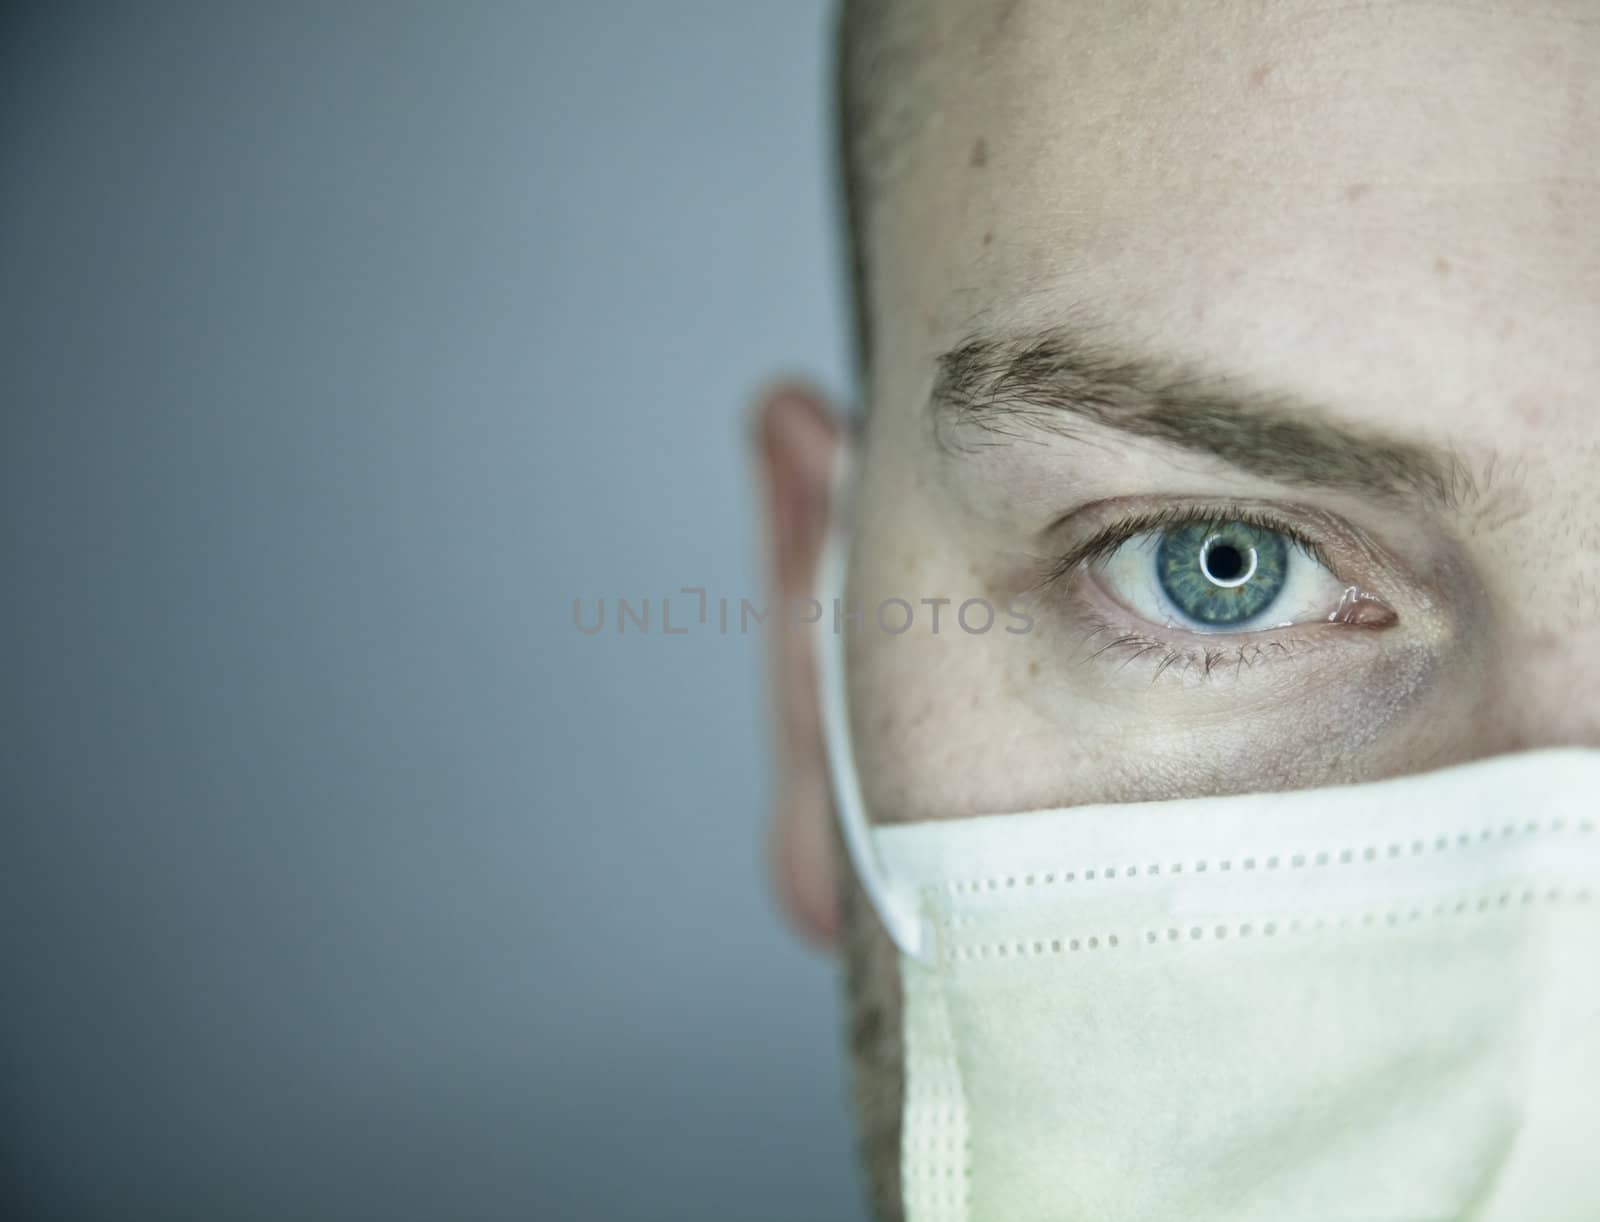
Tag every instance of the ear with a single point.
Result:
(798, 438)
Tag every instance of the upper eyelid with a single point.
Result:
(1114, 534)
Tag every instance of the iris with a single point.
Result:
(1222, 572)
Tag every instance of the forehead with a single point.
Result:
(1386, 206)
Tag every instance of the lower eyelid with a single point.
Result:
(1111, 635)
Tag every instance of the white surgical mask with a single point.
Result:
(1375, 1002)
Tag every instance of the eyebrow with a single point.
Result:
(994, 388)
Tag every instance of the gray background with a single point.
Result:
(343, 346)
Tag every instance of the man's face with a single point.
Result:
(1330, 271)
(1357, 245)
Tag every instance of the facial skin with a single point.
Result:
(1376, 222)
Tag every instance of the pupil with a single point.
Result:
(1224, 562)
(1221, 573)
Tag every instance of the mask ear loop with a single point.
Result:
(900, 918)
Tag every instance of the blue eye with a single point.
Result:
(1221, 573)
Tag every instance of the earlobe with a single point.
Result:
(799, 439)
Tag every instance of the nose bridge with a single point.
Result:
(1536, 544)
(1545, 687)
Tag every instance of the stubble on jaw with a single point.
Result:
(874, 1036)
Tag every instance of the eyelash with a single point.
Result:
(1204, 660)
(1173, 517)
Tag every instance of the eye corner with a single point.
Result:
(1360, 608)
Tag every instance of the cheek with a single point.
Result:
(1400, 715)
(932, 724)
(954, 725)
(937, 717)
